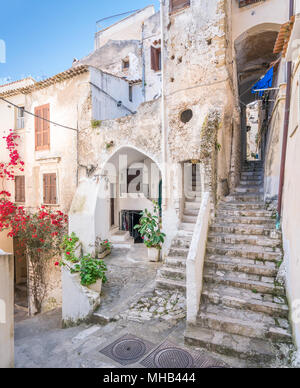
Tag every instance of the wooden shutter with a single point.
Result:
(178, 4)
(42, 127)
(49, 189)
(20, 188)
(155, 58)
(38, 128)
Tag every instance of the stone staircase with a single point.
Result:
(243, 310)
(172, 275)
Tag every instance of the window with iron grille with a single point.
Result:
(244, 3)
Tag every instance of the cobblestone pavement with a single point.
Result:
(130, 305)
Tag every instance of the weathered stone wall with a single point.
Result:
(6, 310)
(141, 131)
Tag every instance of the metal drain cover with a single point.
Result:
(173, 358)
(167, 355)
(127, 349)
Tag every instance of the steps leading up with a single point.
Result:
(243, 311)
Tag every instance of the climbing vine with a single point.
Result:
(37, 233)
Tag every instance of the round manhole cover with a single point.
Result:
(129, 349)
(173, 358)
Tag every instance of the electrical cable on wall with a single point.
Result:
(39, 117)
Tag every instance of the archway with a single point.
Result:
(109, 204)
(254, 57)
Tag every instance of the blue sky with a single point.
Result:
(43, 36)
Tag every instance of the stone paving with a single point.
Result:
(164, 305)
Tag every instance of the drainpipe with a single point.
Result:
(285, 129)
(143, 63)
(163, 110)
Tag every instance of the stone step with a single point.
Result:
(232, 238)
(242, 205)
(251, 178)
(168, 284)
(242, 220)
(189, 219)
(191, 212)
(245, 229)
(246, 182)
(245, 281)
(187, 226)
(192, 205)
(193, 199)
(244, 197)
(182, 242)
(235, 264)
(245, 299)
(251, 252)
(179, 251)
(175, 262)
(243, 322)
(172, 273)
(184, 233)
(257, 350)
(246, 174)
(232, 211)
(249, 189)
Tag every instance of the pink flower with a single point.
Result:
(68, 253)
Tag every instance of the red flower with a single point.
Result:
(56, 264)
(68, 253)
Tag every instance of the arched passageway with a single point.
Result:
(254, 58)
(109, 204)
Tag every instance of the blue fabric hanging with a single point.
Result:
(264, 83)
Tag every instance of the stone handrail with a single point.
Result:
(195, 260)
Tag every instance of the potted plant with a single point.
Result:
(150, 230)
(102, 248)
(91, 270)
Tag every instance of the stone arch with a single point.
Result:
(90, 213)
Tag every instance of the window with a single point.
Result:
(125, 64)
(244, 3)
(20, 188)
(42, 127)
(20, 117)
(178, 4)
(49, 189)
(155, 58)
(130, 93)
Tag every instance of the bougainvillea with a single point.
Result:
(38, 233)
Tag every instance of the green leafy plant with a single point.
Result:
(106, 244)
(91, 270)
(150, 228)
(69, 246)
(218, 146)
(96, 123)
(109, 145)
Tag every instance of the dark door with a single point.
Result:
(112, 211)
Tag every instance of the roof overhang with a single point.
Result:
(283, 37)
